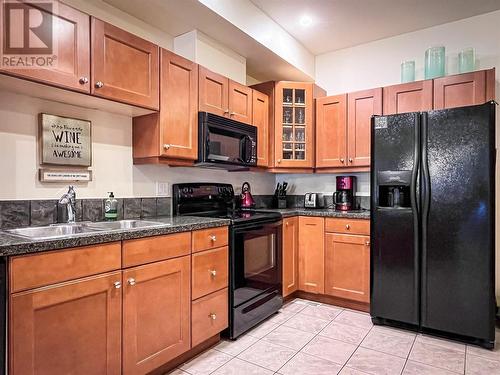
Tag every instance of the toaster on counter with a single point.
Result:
(314, 200)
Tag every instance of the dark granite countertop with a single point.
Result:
(13, 245)
(321, 212)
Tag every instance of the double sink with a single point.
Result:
(63, 230)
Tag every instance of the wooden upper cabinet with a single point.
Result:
(362, 105)
(71, 69)
(213, 92)
(69, 328)
(311, 254)
(331, 130)
(156, 314)
(290, 255)
(179, 107)
(408, 97)
(260, 117)
(125, 67)
(464, 89)
(240, 102)
(347, 266)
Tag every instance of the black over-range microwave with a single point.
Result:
(225, 143)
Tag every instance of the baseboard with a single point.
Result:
(330, 300)
(193, 352)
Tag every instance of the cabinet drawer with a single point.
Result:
(349, 226)
(210, 238)
(209, 316)
(152, 249)
(209, 271)
(33, 271)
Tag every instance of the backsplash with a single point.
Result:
(23, 213)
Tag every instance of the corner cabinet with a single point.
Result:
(125, 67)
(172, 134)
(72, 68)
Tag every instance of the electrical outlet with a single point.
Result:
(162, 189)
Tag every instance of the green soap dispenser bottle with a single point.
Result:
(111, 208)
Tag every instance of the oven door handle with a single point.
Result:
(262, 226)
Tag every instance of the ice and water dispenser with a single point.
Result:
(394, 189)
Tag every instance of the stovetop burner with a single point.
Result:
(215, 200)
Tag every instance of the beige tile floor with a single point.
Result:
(316, 339)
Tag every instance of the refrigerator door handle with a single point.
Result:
(415, 203)
(425, 212)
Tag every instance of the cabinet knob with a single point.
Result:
(99, 84)
(350, 160)
(83, 80)
(341, 160)
(287, 223)
(131, 281)
(367, 243)
(279, 160)
(166, 146)
(213, 273)
(212, 316)
(232, 113)
(226, 111)
(117, 284)
(347, 226)
(213, 238)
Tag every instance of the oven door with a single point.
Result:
(256, 261)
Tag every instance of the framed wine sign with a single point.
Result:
(65, 141)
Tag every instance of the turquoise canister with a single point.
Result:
(435, 62)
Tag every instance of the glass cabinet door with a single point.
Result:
(294, 124)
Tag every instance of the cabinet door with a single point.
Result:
(156, 314)
(71, 40)
(178, 107)
(240, 102)
(347, 266)
(460, 90)
(260, 117)
(213, 92)
(362, 105)
(331, 130)
(408, 97)
(294, 127)
(68, 328)
(125, 67)
(311, 254)
(290, 255)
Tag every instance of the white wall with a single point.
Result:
(200, 48)
(322, 183)
(112, 156)
(378, 64)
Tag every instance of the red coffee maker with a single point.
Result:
(344, 198)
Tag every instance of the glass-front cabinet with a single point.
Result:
(294, 128)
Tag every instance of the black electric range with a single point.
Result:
(255, 251)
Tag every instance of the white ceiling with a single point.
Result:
(340, 24)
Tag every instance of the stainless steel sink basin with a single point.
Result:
(123, 224)
(51, 231)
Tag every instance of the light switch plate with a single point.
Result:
(161, 189)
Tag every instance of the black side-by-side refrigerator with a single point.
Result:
(433, 222)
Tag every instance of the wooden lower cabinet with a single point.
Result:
(209, 316)
(347, 266)
(311, 254)
(290, 255)
(156, 310)
(68, 328)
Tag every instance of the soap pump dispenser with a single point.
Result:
(111, 208)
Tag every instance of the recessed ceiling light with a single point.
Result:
(305, 20)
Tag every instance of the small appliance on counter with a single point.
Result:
(344, 198)
(279, 199)
(314, 200)
(247, 200)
